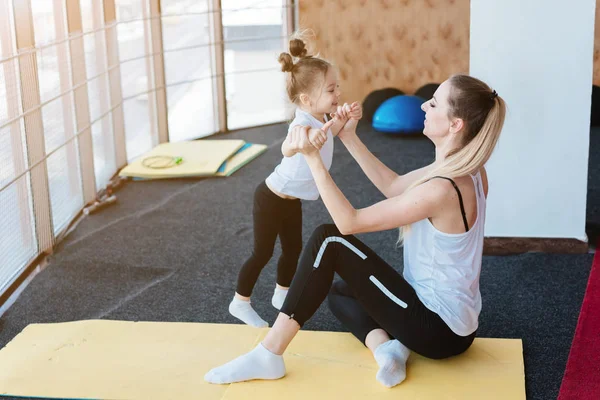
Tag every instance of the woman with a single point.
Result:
(434, 308)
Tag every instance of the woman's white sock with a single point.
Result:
(260, 363)
(391, 357)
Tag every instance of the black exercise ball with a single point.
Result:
(374, 100)
(595, 115)
(426, 91)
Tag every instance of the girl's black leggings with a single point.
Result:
(273, 216)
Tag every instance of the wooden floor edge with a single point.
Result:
(516, 245)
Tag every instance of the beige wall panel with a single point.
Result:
(389, 43)
(597, 46)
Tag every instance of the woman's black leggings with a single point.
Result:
(372, 296)
(273, 216)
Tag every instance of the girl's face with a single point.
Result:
(325, 97)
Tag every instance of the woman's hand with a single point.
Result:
(298, 141)
(317, 138)
(307, 140)
(339, 122)
(352, 113)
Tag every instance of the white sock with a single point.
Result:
(260, 363)
(279, 298)
(391, 357)
(243, 310)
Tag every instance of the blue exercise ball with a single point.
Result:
(375, 99)
(400, 114)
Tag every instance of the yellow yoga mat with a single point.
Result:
(198, 158)
(103, 359)
(246, 154)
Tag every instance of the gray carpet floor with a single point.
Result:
(171, 250)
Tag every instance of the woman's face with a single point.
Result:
(437, 120)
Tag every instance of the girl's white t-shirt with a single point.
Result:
(292, 176)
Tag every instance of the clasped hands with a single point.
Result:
(306, 140)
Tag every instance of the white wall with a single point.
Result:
(538, 55)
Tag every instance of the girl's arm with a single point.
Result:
(286, 149)
(317, 138)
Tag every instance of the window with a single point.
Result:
(137, 76)
(255, 33)
(189, 72)
(18, 245)
(80, 99)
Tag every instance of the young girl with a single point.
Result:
(312, 86)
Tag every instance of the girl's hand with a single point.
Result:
(343, 112)
(353, 113)
(339, 122)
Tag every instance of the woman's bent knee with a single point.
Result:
(325, 230)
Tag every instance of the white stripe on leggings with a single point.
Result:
(339, 240)
(387, 292)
